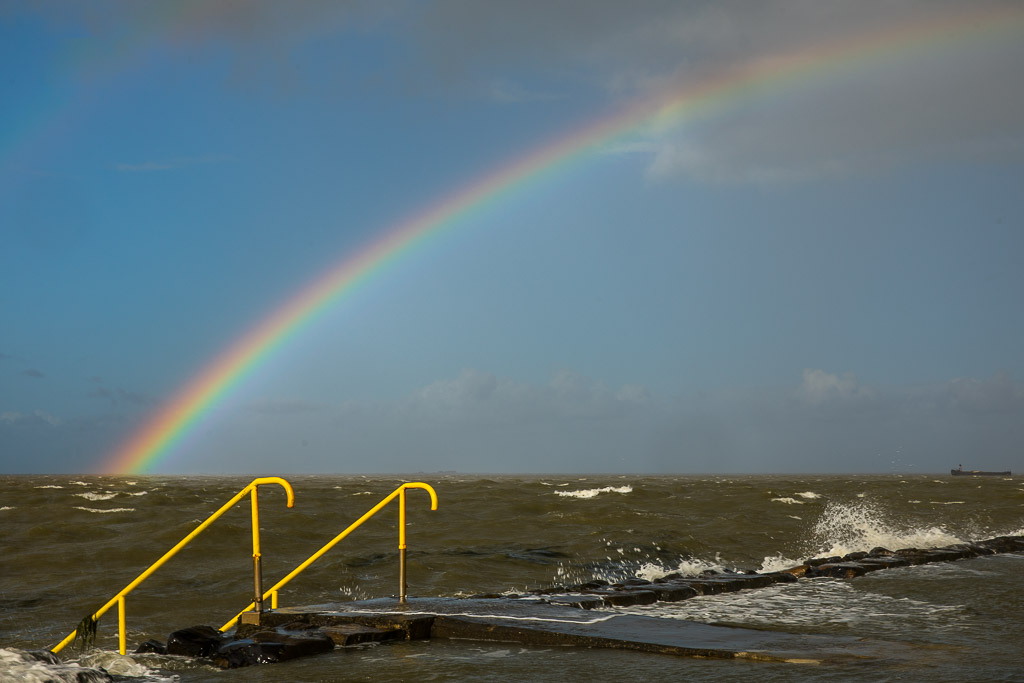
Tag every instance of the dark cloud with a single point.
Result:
(901, 104)
(32, 372)
(42, 443)
(479, 422)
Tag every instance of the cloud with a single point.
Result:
(121, 396)
(819, 386)
(907, 106)
(512, 92)
(32, 372)
(38, 417)
(147, 166)
(287, 406)
(173, 164)
(481, 422)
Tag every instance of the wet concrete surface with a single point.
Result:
(576, 616)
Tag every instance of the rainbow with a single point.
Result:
(145, 449)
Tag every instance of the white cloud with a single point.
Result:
(819, 386)
(36, 417)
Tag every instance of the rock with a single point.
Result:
(44, 656)
(673, 592)
(782, 577)
(636, 582)
(798, 571)
(151, 646)
(879, 551)
(625, 598)
(874, 563)
(269, 647)
(839, 570)
(581, 601)
(196, 641)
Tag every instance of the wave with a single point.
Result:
(686, 567)
(96, 496)
(593, 493)
(19, 665)
(78, 507)
(49, 486)
(811, 495)
(844, 528)
(788, 501)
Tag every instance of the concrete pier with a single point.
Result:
(571, 616)
(566, 616)
(540, 623)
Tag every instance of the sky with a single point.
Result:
(820, 272)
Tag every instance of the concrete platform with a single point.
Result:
(543, 624)
(571, 615)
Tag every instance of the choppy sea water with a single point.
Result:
(70, 543)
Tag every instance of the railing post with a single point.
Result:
(257, 560)
(401, 547)
(121, 621)
(119, 598)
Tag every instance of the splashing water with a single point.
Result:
(845, 528)
(593, 493)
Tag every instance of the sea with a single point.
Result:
(70, 543)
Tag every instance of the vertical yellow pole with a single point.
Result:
(121, 624)
(257, 562)
(401, 546)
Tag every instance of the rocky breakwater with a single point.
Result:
(288, 633)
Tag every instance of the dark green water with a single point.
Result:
(70, 543)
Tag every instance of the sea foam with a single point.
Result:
(845, 528)
(593, 493)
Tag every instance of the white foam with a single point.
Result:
(78, 507)
(808, 494)
(777, 563)
(788, 501)
(49, 486)
(19, 666)
(118, 665)
(690, 567)
(593, 493)
(89, 495)
(845, 528)
(6, 507)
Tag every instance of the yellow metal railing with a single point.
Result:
(397, 493)
(257, 568)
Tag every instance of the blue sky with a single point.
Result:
(824, 276)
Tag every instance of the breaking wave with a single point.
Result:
(96, 496)
(593, 493)
(844, 528)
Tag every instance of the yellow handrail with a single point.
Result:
(400, 493)
(119, 598)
